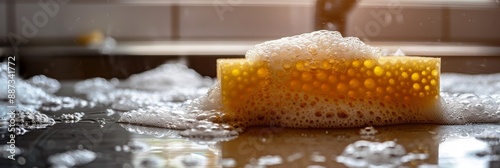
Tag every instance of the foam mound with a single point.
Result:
(318, 45)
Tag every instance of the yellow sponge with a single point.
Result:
(321, 79)
(330, 93)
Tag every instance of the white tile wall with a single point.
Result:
(118, 20)
(410, 24)
(245, 21)
(473, 25)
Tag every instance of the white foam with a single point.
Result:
(160, 116)
(72, 158)
(309, 46)
(462, 108)
(210, 101)
(72, 118)
(37, 93)
(368, 131)
(171, 82)
(29, 120)
(153, 131)
(269, 160)
(47, 84)
(317, 157)
(167, 76)
(95, 85)
(376, 154)
(484, 84)
(209, 131)
(479, 131)
(166, 100)
(196, 123)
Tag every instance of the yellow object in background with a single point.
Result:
(91, 38)
(329, 92)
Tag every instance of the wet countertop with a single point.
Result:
(125, 145)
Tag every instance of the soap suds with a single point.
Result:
(173, 97)
(45, 83)
(29, 120)
(195, 124)
(95, 85)
(153, 131)
(317, 157)
(166, 77)
(37, 93)
(160, 116)
(72, 158)
(165, 85)
(268, 160)
(72, 118)
(368, 131)
(318, 45)
(462, 108)
(377, 154)
(484, 84)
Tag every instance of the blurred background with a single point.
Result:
(77, 39)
